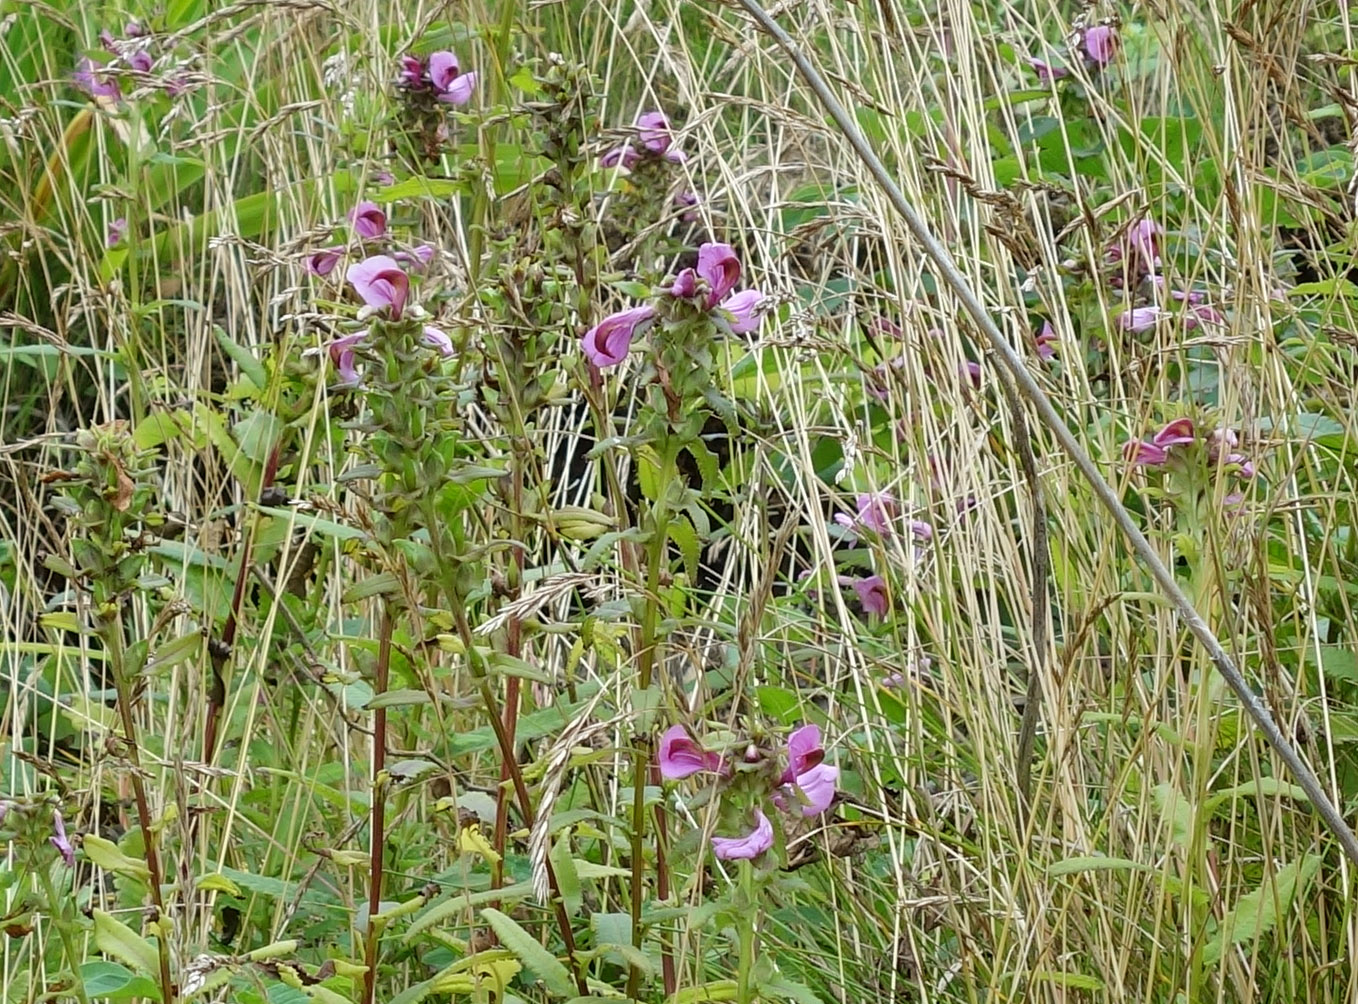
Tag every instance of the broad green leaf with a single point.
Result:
(1093, 863)
(115, 982)
(1176, 807)
(1257, 912)
(567, 878)
(553, 973)
(442, 910)
(110, 857)
(1269, 787)
(115, 938)
(716, 990)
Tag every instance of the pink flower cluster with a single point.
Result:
(655, 141)
(1140, 250)
(709, 285)
(1159, 450)
(437, 74)
(368, 223)
(806, 785)
(1097, 45)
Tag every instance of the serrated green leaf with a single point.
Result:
(567, 878)
(1257, 912)
(110, 857)
(681, 531)
(553, 973)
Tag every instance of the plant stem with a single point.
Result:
(111, 631)
(745, 926)
(641, 758)
(63, 931)
(378, 836)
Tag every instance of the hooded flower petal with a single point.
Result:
(412, 74)
(750, 846)
(1177, 433)
(1140, 319)
(90, 79)
(322, 263)
(623, 155)
(741, 311)
(685, 285)
(873, 594)
(607, 343)
(438, 339)
(817, 788)
(380, 283)
(342, 357)
(368, 220)
(719, 266)
(1046, 71)
(417, 257)
(1047, 341)
(59, 839)
(876, 510)
(803, 751)
(117, 230)
(680, 756)
(443, 70)
(1100, 44)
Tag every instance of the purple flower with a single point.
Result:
(1192, 297)
(452, 86)
(816, 788)
(1100, 44)
(342, 356)
(97, 85)
(1143, 243)
(135, 29)
(803, 752)
(368, 220)
(653, 130)
(623, 155)
(412, 74)
(417, 258)
(1045, 71)
(741, 312)
(435, 338)
(680, 756)
(608, 342)
(876, 510)
(322, 263)
(1140, 319)
(117, 230)
(1202, 315)
(1145, 454)
(1177, 433)
(380, 283)
(1154, 452)
(971, 371)
(59, 840)
(688, 202)
(140, 60)
(1047, 341)
(750, 846)
(719, 266)
(872, 593)
(685, 285)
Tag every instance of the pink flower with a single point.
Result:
(872, 594)
(59, 840)
(380, 283)
(876, 510)
(1202, 315)
(451, 86)
(140, 60)
(741, 312)
(1140, 319)
(680, 756)
(971, 371)
(94, 83)
(322, 263)
(1177, 433)
(368, 220)
(417, 258)
(117, 230)
(342, 356)
(412, 75)
(688, 202)
(1145, 454)
(685, 285)
(1047, 341)
(1100, 44)
(608, 342)
(435, 338)
(1045, 71)
(816, 788)
(654, 132)
(623, 155)
(803, 752)
(750, 846)
(1143, 243)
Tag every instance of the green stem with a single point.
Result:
(111, 632)
(745, 926)
(641, 757)
(64, 932)
(379, 818)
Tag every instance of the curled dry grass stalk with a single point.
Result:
(937, 886)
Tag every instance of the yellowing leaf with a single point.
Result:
(472, 841)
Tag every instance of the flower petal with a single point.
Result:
(750, 846)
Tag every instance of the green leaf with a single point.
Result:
(508, 665)
(325, 527)
(554, 975)
(398, 699)
(567, 878)
(1078, 981)
(115, 982)
(172, 653)
(717, 990)
(1257, 912)
(439, 911)
(779, 702)
(113, 937)
(1269, 787)
(1339, 663)
(1173, 804)
(242, 357)
(682, 533)
(110, 857)
(797, 992)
